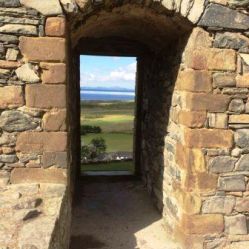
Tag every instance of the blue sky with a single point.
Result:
(107, 71)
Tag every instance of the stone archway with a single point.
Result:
(193, 126)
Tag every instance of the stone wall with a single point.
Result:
(194, 132)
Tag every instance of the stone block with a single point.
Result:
(242, 138)
(243, 163)
(211, 59)
(55, 26)
(243, 80)
(36, 175)
(218, 120)
(223, 17)
(39, 142)
(46, 96)
(27, 73)
(232, 183)
(237, 106)
(54, 159)
(242, 204)
(208, 138)
(236, 225)
(11, 96)
(196, 10)
(53, 73)
(194, 81)
(206, 102)
(239, 119)
(10, 3)
(192, 119)
(205, 181)
(221, 80)
(45, 7)
(43, 48)
(12, 54)
(222, 164)
(19, 29)
(54, 120)
(9, 64)
(218, 205)
(204, 224)
(69, 6)
(238, 245)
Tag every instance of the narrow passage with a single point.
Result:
(116, 213)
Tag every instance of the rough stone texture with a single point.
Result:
(242, 138)
(224, 17)
(11, 96)
(10, 3)
(217, 120)
(27, 73)
(12, 121)
(232, 183)
(18, 29)
(12, 54)
(243, 81)
(236, 225)
(237, 106)
(43, 48)
(53, 73)
(54, 121)
(192, 119)
(69, 6)
(218, 205)
(243, 163)
(43, 96)
(57, 159)
(222, 164)
(239, 3)
(224, 79)
(41, 142)
(55, 26)
(196, 11)
(46, 7)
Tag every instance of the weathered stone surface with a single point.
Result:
(242, 138)
(9, 38)
(219, 205)
(243, 81)
(46, 7)
(242, 204)
(8, 158)
(55, 26)
(10, 3)
(7, 139)
(31, 142)
(243, 163)
(232, 183)
(12, 54)
(217, 120)
(212, 59)
(236, 224)
(53, 73)
(11, 96)
(18, 29)
(231, 40)
(239, 3)
(207, 102)
(222, 164)
(43, 48)
(237, 106)
(57, 159)
(239, 119)
(16, 121)
(194, 81)
(9, 64)
(27, 73)
(192, 119)
(224, 17)
(32, 175)
(45, 96)
(238, 245)
(224, 79)
(69, 6)
(208, 138)
(31, 111)
(196, 11)
(17, 20)
(54, 120)
(245, 58)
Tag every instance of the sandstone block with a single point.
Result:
(194, 81)
(39, 142)
(206, 102)
(205, 181)
(196, 11)
(238, 245)
(242, 204)
(235, 225)
(55, 26)
(45, 96)
(54, 120)
(46, 7)
(27, 73)
(243, 81)
(224, 17)
(239, 119)
(204, 224)
(33, 175)
(192, 119)
(218, 205)
(224, 80)
(222, 164)
(12, 121)
(53, 73)
(43, 48)
(11, 96)
(9, 64)
(55, 159)
(208, 138)
(232, 183)
(211, 59)
(218, 120)
(12, 54)
(18, 29)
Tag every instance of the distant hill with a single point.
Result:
(109, 89)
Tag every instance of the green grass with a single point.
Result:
(114, 141)
(113, 166)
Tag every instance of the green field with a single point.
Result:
(113, 166)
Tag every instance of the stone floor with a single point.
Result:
(116, 214)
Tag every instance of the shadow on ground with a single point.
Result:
(115, 213)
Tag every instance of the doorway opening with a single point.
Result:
(107, 116)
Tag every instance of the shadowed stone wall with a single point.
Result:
(194, 115)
